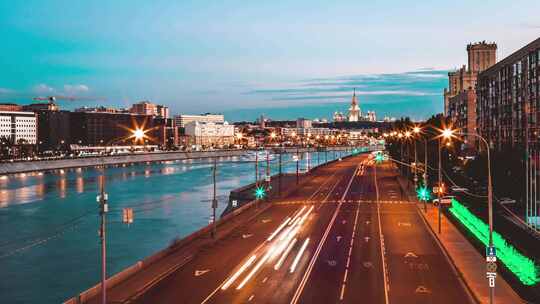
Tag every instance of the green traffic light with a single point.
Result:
(379, 158)
(260, 193)
(423, 194)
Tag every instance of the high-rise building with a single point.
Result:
(508, 96)
(149, 108)
(354, 110)
(460, 97)
(209, 133)
(303, 123)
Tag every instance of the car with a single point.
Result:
(445, 200)
(459, 189)
(507, 200)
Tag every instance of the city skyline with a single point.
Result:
(197, 57)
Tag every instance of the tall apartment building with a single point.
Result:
(460, 97)
(149, 108)
(183, 119)
(509, 100)
(18, 127)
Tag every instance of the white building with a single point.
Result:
(183, 119)
(19, 126)
(209, 133)
(371, 116)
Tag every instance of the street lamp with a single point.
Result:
(448, 134)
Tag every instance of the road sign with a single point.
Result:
(235, 203)
(491, 251)
(491, 267)
(491, 259)
(491, 278)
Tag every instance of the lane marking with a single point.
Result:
(385, 277)
(307, 273)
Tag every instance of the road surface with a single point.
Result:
(348, 235)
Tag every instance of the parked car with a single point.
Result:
(458, 189)
(507, 200)
(445, 200)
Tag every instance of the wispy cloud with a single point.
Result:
(424, 82)
(73, 89)
(5, 91)
(43, 88)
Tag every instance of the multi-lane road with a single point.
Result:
(348, 235)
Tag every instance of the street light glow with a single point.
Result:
(448, 133)
(138, 134)
(407, 134)
(416, 129)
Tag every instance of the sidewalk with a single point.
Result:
(470, 264)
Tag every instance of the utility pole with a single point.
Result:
(102, 199)
(425, 172)
(256, 176)
(267, 170)
(297, 165)
(439, 192)
(214, 201)
(325, 154)
(415, 166)
(279, 184)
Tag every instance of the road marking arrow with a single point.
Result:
(266, 220)
(366, 239)
(332, 263)
(338, 238)
(422, 289)
(368, 264)
(410, 255)
(245, 236)
(199, 273)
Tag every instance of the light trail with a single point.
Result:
(238, 273)
(284, 255)
(278, 229)
(296, 216)
(255, 269)
(299, 255)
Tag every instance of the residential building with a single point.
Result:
(303, 123)
(151, 109)
(183, 119)
(207, 134)
(10, 107)
(508, 100)
(460, 97)
(18, 127)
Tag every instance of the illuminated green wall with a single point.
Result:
(521, 266)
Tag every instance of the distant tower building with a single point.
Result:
(354, 110)
(338, 117)
(371, 116)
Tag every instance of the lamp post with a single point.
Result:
(447, 133)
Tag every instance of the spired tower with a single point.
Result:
(354, 110)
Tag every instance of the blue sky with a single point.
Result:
(222, 56)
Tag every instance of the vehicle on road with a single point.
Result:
(445, 200)
(507, 200)
(459, 189)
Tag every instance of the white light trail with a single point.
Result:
(238, 273)
(284, 255)
(299, 255)
(297, 215)
(278, 229)
(255, 269)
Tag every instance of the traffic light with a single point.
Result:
(423, 193)
(260, 193)
(379, 157)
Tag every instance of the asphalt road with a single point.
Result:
(323, 244)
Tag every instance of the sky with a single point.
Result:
(244, 58)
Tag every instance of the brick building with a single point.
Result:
(460, 97)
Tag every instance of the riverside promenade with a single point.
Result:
(43, 165)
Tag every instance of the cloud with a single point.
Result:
(74, 89)
(5, 91)
(43, 89)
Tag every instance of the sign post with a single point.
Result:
(491, 270)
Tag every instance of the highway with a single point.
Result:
(348, 235)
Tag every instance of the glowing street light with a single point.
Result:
(273, 135)
(138, 134)
(448, 133)
(416, 130)
(407, 134)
